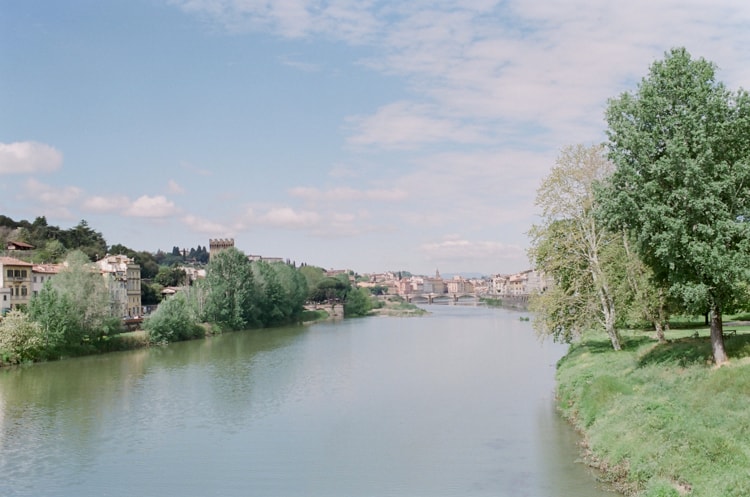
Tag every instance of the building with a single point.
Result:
(13, 246)
(434, 285)
(216, 245)
(123, 278)
(458, 285)
(41, 274)
(15, 283)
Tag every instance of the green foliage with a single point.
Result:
(21, 339)
(173, 320)
(682, 183)
(86, 297)
(272, 302)
(330, 289)
(52, 311)
(358, 302)
(282, 292)
(232, 295)
(53, 251)
(173, 276)
(571, 246)
(150, 293)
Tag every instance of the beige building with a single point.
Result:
(15, 283)
(41, 274)
(434, 285)
(123, 278)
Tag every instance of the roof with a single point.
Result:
(19, 245)
(12, 261)
(47, 268)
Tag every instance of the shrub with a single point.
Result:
(172, 321)
(21, 339)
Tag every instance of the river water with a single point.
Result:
(456, 403)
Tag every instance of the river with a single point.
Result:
(455, 403)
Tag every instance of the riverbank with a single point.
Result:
(397, 307)
(660, 420)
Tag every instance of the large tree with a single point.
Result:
(232, 299)
(85, 296)
(570, 246)
(681, 188)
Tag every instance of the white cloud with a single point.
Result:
(110, 203)
(455, 251)
(201, 225)
(28, 158)
(407, 125)
(49, 195)
(152, 207)
(346, 194)
(350, 20)
(286, 217)
(174, 187)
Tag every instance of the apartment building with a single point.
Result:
(123, 278)
(15, 283)
(41, 274)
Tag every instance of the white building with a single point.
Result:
(123, 278)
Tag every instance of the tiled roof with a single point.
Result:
(47, 268)
(12, 261)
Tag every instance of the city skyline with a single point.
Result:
(367, 135)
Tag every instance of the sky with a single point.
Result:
(350, 134)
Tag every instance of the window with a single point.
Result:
(34, 279)
(24, 291)
(10, 273)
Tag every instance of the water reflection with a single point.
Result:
(455, 403)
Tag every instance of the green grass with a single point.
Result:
(659, 419)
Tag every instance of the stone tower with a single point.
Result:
(217, 245)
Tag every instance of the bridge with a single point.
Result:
(431, 298)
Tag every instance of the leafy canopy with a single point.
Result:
(681, 144)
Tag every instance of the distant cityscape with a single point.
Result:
(20, 280)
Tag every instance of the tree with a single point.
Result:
(282, 292)
(85, 239)
(87, 299)
(643, 298)
(172, 321)
(681, 188)
(358, 302)
(173, 276)
(273, 306)
(52, 312)
(573, 248)
(232, 299)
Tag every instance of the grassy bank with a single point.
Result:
(659, 419)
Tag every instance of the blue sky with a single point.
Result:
(368, 135)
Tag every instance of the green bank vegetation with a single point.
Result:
(72, 315)
(658, 419)
(652, 225)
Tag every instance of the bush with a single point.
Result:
(21, 339)
(173, 321)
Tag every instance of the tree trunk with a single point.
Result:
(661, 321)
(608, 309)
(717, 336)
(659, 331)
